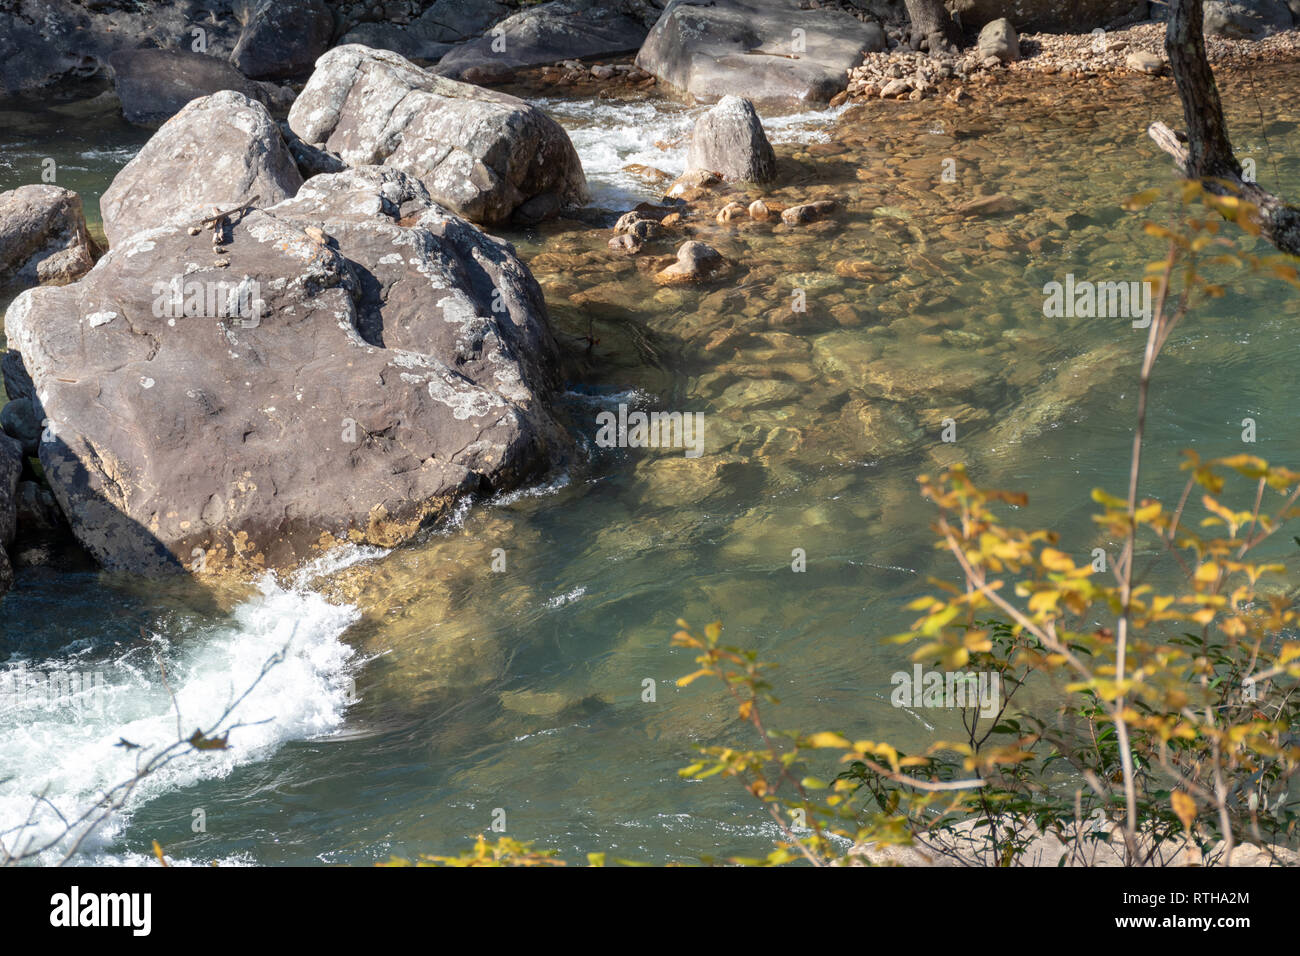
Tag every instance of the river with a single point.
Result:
(422, 691)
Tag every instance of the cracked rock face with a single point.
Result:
(479, 153)
(364, 360)
(220, 150)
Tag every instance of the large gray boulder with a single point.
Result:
(155, 85)
(435, 31)
(1052, 16)
(219, 151)
(366, 360)
(45, 41)
(486, 156)
(729, 140)
(1247, 19)
(765, 50)
(43, 237)
(548, 33)
(283, 38)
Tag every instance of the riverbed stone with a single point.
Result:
(808, 212)
(998, 39)
(1139, 61)
(480, 153)
(729, 140)
(696, 262)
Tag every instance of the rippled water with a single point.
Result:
(422, 690)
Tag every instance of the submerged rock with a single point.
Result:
(696, 262)
(43, 237)
(729, 140)
(749, 48)
(809, 212)
(480, 153)
(222, 150)
(363, 361)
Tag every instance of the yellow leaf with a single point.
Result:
(827, 739)
(1044, 601)
(1184, 807)
(1147, 512)
(1055, 560)
(1141, 200)
(1207, 572)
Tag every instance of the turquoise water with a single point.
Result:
(422, 691)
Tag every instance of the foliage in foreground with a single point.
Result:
(1178, 678)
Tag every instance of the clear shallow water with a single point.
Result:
(521, 690)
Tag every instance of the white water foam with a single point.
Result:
(66, 750)
(610, 135)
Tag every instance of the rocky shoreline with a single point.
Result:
(904, 74)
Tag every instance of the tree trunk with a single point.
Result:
(930, 17)
(1206, 152)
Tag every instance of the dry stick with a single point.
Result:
(115, 797)
(1155, 339)
(237, 211)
